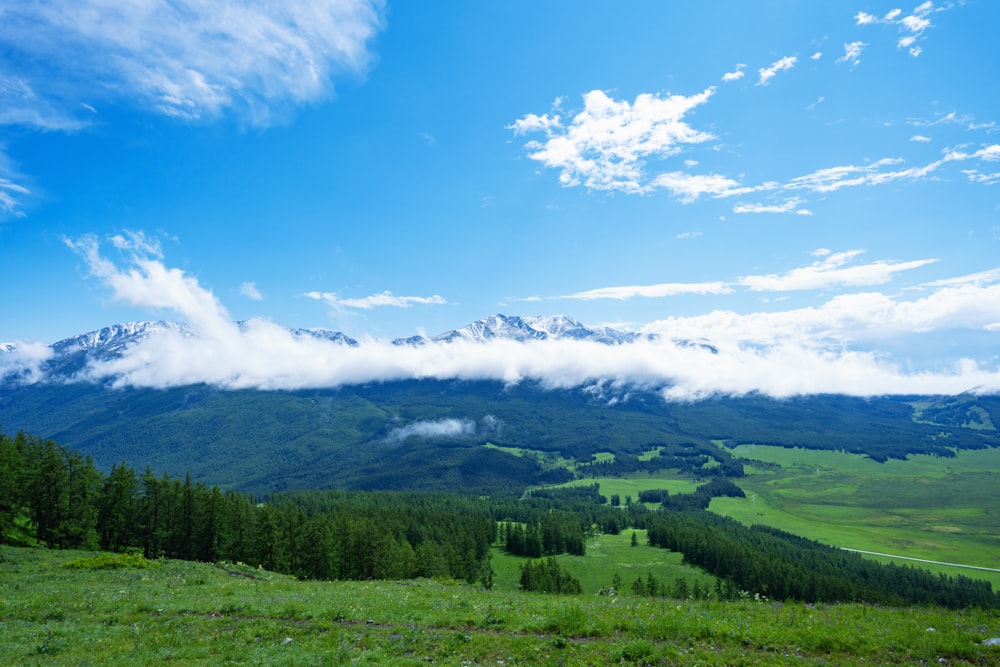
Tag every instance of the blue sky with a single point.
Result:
(799, 182)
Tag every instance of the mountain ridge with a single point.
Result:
(70, 356)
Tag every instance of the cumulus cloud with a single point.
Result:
(800, 351)
(190, 59)
(736, 74)
(375, 300)
(852, 53)
(768, 73)
(605, 145)
(913, 25)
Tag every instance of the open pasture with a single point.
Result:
(631, 486)
(939, 509)
(607, 555)
(187, 613)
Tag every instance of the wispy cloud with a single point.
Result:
(768, 73)
(834, 269)
(605, 145)
(250, 291)
(21, 104)
(191, 59)
(375, 300)
(831, 271)
(652, 291)
(793, 205)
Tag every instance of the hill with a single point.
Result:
(65, 607)
(432, 435)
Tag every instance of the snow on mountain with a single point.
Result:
(326, 334)
(493, 327)
(563, 327)
(114, 338)
(72, 355)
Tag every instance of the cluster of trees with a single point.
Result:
(782, 566)
(702, 459)
(545, 576)
(66, 502)
(680, 590)
(556, 533)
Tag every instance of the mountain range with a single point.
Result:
(72, 355)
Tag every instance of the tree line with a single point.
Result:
(54, 495)
(767, 561)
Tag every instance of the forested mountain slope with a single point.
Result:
(431, 434)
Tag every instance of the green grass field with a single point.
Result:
(186, 613)
(631, 486)
(940, 509)
(606, 555)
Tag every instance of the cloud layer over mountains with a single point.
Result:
(830, 349)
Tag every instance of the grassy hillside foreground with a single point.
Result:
(192, 613)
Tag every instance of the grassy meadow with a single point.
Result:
(940, 509)
(607, 555)
(187, 613)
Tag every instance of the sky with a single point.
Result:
(812, 187)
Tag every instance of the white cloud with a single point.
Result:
(651, 291)
(978, 279)
(191, 58)
(21, 104)
(831, 179)
(11, 195)
(736, 74)
(376, 300)
(831, 271)
(689, 187)
(605, 145)
(913, 24)
(816, 56)
(250, 291)
(768, 73)
(23, 360)
(793, 205)
(920, 138)
(852, 53)
(434, 428)
(689, 235)
(980, 178)
(801, 351)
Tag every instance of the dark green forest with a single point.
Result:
(263, 442)
(53, 496)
